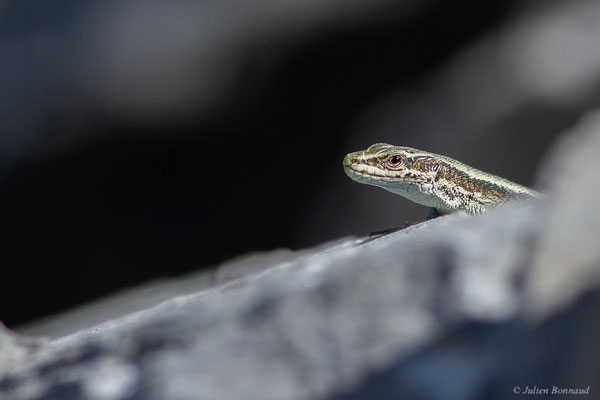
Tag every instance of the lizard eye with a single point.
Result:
(395, 160)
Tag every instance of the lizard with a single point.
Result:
(432, 180)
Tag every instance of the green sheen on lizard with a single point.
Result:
(431, 179)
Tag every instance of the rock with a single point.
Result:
(15, 348)
(566, 263)
(153, 293)
(301, 329)
(462, 306)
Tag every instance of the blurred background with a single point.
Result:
(143, 139)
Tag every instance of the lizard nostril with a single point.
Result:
(351, 159)
(348, 160)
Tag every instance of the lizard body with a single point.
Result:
(431, 179)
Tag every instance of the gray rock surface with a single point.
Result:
(153, 293)
(459, 307)
(568, 258)
(15, 347)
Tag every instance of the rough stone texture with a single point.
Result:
(463, 307)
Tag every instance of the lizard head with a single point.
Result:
(390, 167)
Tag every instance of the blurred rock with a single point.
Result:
(15, 348)
(305, 328)
(568, 260)
(153, 293)
(465, 307)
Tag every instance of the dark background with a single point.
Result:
(143, 139)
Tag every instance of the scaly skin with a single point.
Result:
(431, 179)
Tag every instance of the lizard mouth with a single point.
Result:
(367, 174)
(357, 174)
